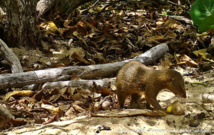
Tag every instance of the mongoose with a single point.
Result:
(136, 79)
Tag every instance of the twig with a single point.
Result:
(90, 6)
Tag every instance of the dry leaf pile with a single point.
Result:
(111, 32)
(48, 105)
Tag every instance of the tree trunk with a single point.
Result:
(21, 19)
(21, 23)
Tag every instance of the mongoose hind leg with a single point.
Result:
(135, 101)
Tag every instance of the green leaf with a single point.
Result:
(200, 10)
(207, 23)
(200, 83)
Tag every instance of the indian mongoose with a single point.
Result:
(136, 79)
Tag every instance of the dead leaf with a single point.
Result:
(26, 93)
(106, 105)
(50, 120)
(174, 24)
(59, 93)
(171, 34)
(18, 122)
(184, 59)
(74, 77)
(53, 110)
(92, 26)
(49, 27)
(69, 33)
(80, 37)
(66, 23)
(78, 109)
(79, 58)
(104, 91)
(157, 38)
(76, 96)
(202, 52)
(97, 106)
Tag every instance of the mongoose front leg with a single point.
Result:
(154, 103)
(121, 99)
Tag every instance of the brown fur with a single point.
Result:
(136, 79)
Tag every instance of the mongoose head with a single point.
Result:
(175, 82)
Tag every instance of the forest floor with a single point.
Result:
(119, 32)
(197, 113)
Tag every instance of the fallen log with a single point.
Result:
(84, 72)
(10, 57)
(77, 83)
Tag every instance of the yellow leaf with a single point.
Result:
(20, 93)
(75, 33)
(202, 52)
(49, 27)
(52, 25)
